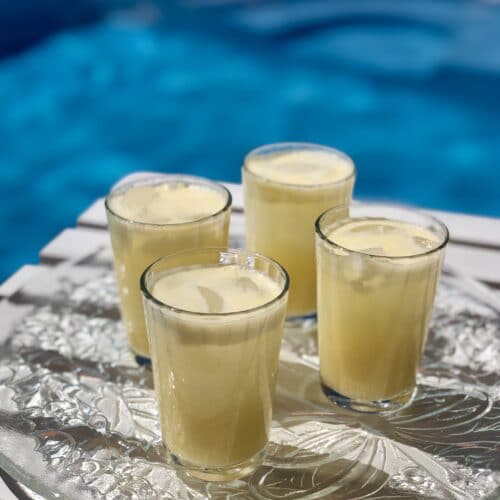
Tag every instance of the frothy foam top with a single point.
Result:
(384, 237)
(215, 289)
(166, 203)
(302, 167)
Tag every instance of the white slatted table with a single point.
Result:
(473, 252)
(474, 248)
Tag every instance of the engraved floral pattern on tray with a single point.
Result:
(78, 417)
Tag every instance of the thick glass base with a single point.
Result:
(305, 323)
(387, 405)
(142, 360)
(223, 473)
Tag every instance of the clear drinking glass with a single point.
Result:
(144, 228)
(378, 269)
(215, 373)
(286, 187)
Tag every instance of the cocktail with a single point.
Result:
(154, 217)
(286, 187)
(215, 321)
(378, 269)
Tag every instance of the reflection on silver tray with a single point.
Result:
(78, 417)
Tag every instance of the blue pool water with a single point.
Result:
(411, 90)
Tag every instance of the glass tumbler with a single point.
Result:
(215, 373)
(378, 270)
(144, 228)
(286, 187)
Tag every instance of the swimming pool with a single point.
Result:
(411, 90)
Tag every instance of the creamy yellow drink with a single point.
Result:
(154, 218)
(377, 280)
(215, 334)
(286, 187)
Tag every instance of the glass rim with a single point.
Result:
(309, 146)
(148, 295)
(165, 179)
(319, 231)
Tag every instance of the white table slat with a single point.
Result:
(482, 264)
(469, 229)
(477, 262)
(17, 280)
(94, 216)
(74, 243)
(5, 493)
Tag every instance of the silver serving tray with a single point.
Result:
(78, 417)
